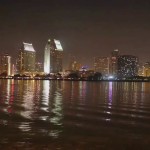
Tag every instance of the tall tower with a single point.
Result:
(53, 56)
(127, 66)
(101, 64)
(114, 62)
(146, 69)
(26, 59)
(5, 65)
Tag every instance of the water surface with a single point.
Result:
(43, 114)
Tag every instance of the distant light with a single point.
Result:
(110, 77)
(58, 45)
(28, 47)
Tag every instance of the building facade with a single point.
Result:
(146, 69)
(113, 64)
(26, 59)
(127, 66)
(39, 67)
(101, 64)
(5, 65)
(53, 57)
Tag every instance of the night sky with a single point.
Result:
(86, 28)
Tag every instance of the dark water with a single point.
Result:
(74, 115)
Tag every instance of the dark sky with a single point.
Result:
(86, 28)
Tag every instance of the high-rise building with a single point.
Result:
(5, 65)
(53, 56)
(146, 69)
(127, 66)
(140, 69)
(101, 64)
(75, 66)
(38, 67)
(114, 62)
(26, 59)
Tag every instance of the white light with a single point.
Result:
(28, 47)
(110, 77)
(58, 45)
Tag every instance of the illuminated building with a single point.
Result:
(75, 66)
(5, 65)
(101, 64)
(53, 57)
(26, 59)
(146, 69)
(114, 62)
(141, 70)
(38, 67)
(127, 66)
(71, 60)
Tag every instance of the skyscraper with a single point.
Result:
(127, 66)
(114, 62)
(5, 64)
(101, 64)
(26, 59)
(146, 69)
(53, 56)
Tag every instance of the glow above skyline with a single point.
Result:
(58, 45)
(28, 47)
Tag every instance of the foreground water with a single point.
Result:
(74, 115)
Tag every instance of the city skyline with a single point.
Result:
(85, 28)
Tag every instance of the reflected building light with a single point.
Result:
(72, 91)
(110, 92)
(25, 126)
(46, 92)
(28, 98)
(57, 110)
(8, 92)
(108, 112)
(58, 115)
(44, 118)
(135, 94)
(11, 96)
(108, 119)
(54, 133)
(82, 88)
(142, 92)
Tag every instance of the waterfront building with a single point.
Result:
(26, 59)
(113, 63)
(53, 56)
(141, 69)
(101, 64)
(146, 69)
(5, 65)
(75, 66)
(127, 66)
(39, 67)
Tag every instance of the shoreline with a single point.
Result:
(22, 78)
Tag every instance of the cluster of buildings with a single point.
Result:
(121, 66)
(117, 66)
(26, 60)
(113, 67)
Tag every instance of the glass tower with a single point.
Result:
(53, 56)
(26, 59)
(127, 66)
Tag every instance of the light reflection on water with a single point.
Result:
(58, 109)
